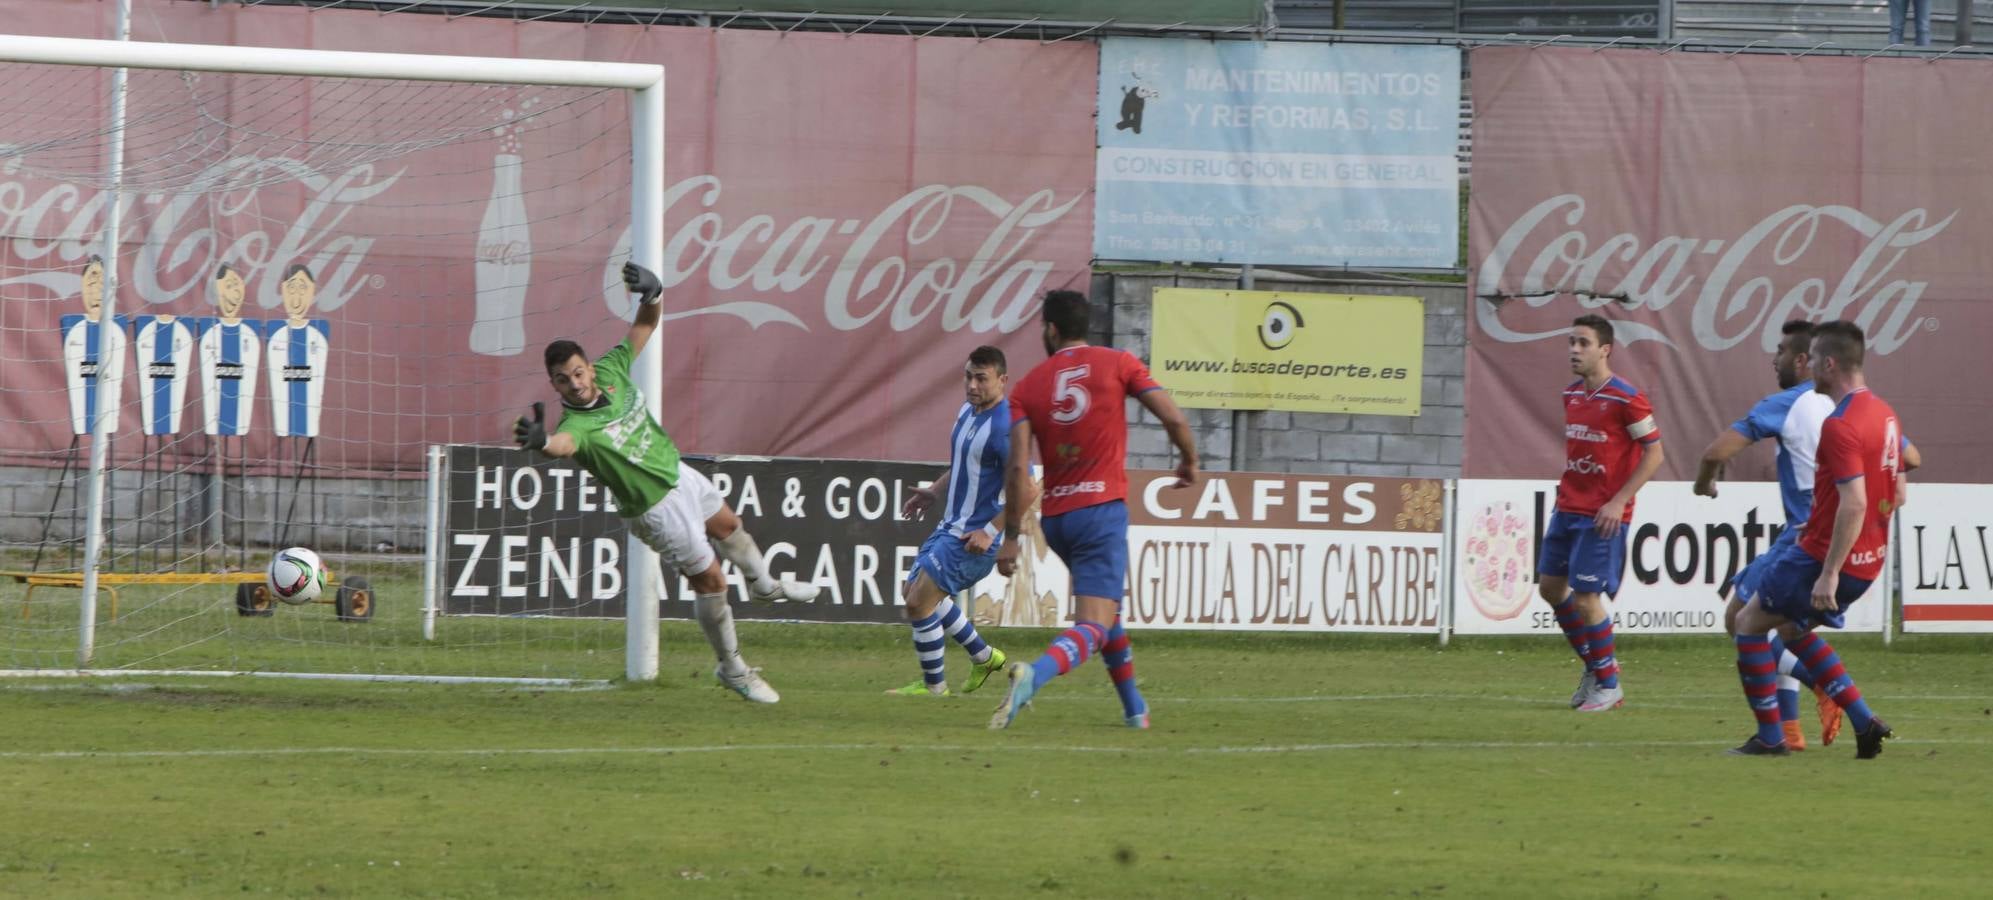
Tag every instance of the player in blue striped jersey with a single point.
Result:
(962, 549)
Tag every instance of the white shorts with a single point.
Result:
(676, 526)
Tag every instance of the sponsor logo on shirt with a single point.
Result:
(1586, 433)
(1584, 465)
(1083, 487)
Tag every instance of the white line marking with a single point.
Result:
(885, 748)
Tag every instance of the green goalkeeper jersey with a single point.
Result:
(619, 443)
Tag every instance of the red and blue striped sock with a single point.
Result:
(1789, 664)
(1574, 628)
(1068, 651)
(1119, 655)
(1825, 664)
(1758, 669)
(1599, 653)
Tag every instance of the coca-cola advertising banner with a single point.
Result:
(1680, 548)
(1700, 201)
(847, 217)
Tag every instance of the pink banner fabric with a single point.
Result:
(1700, 201)
(847, 218)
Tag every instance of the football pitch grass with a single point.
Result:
(1278, 766)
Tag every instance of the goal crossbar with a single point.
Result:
(280, 61)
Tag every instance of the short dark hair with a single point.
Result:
(1798, 336)
(225, 269)
(95, 259)
(988, 357)
(1840, 341)
(1068, 313)
(559, 352)
(295, 268)
(1597, 324)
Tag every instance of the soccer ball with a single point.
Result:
(296, 575)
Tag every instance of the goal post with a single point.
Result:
(643, 84)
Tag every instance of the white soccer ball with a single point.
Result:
(296, 575)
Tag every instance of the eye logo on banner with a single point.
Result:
(1278, 324)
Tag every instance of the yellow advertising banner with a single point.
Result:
(1338, 353)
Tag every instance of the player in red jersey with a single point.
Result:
(1611, 447)
(1856, 488)
(1073, 406)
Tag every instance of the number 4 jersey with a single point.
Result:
(1079, 422)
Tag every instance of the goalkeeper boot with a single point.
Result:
(784, 591)
(748, 684)
(983, 670)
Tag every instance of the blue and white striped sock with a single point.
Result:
(962, 630)
(928, 644)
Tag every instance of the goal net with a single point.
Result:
(244, 293)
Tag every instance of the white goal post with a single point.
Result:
(644, 82)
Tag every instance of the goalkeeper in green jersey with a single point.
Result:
(607, 428)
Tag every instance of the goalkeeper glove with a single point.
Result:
(532, 434)
(642, 281)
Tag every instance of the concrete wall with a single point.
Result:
(1426, 446)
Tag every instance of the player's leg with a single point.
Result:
(1096, 553)
(953, 568)
(1596, 566)
(1119, 657)
(1553, 569)
(1756, 670)
(736, 546)
(1791, 673)
(928, 643)
(675, 529)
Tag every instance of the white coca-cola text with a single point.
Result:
(63, 224)
(996, 287)
(1727, 311)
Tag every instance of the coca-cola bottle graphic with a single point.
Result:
(504, 265)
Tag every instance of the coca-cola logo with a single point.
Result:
(504, 253)
(995, 287)
(1741, 295)
(57, 226)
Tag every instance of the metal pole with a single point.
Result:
(1241, 442)
(1962, 25)
(646, 249)
(1446, 528)
(100, 427)
(432, 544)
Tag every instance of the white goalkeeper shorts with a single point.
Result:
(676, 526)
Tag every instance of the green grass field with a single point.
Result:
(1278, 766)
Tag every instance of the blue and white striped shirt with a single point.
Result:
(979, 448)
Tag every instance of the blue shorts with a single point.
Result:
(1745, 582)
(1093, 542)
(950, 565)
(1573, 548)
(1785, 587)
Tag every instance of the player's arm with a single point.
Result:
(1847, 528)
(1612, 515)
(530, 432)
(918, 502)
(1159, 403)
(1728, 444)
(1909, 461)
(645, 284)
(1018, 494)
